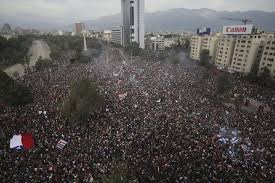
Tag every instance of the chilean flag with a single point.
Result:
(24, 141)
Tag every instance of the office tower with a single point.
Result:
(117, 35)
(132, 12)
(79, 27)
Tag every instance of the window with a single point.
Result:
(268, 42)
(265, 53)
(269, 65)
(272, 48)
(132, 14)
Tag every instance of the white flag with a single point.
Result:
(61, 144)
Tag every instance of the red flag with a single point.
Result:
(27, 141)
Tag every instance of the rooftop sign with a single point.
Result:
(237, 29)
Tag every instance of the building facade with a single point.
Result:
(247, 52)
(117, 36)
(210, 43)
(225, 51)
(169, 41)
(268, 57)
(156, 43)
(133, 21)
(79, 27)
(196, 44)
(107, 36)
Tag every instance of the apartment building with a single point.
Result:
(107, 35)
(268, 57)
(247, 52)
(225, 51)
(169, 41)
(156, 43)
(196, 45)
(211, 43)
(117, 35)
(199, 43)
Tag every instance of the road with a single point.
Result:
(39, 49)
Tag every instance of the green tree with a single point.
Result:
(43, 64)
(204, 58)
(84, 99)
(133, 49)
(11, 93)
(187, 44)
(224, 84)
(265, 75)
(175, 60)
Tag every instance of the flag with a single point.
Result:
(27, 141)
(122, 96)
(20, 141)
(61, 144)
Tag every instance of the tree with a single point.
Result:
(187, 44)
(175, 60)
(265, 74)
(204, 58)
(133, 49)
(43, 64)
(224, 84)
(11, 93)
(83, 100)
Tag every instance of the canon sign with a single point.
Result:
(237, 29)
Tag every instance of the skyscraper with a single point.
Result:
(132, 12)
(79, 27)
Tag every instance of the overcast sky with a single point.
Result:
(73, 10)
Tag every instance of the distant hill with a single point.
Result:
(190, 19)
(171, 20)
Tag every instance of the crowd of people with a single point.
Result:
(160, 123)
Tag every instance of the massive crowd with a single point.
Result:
(163, 122)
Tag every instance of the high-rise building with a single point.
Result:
(225, 51)
(268, 58)
(117, 35)
(248, 51)
(199, 43)
(132, 12)
(196, 44)
(79, 27)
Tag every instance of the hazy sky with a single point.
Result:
(72, 10)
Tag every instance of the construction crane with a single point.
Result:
(245, 21)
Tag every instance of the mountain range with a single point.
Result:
(171, 20)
